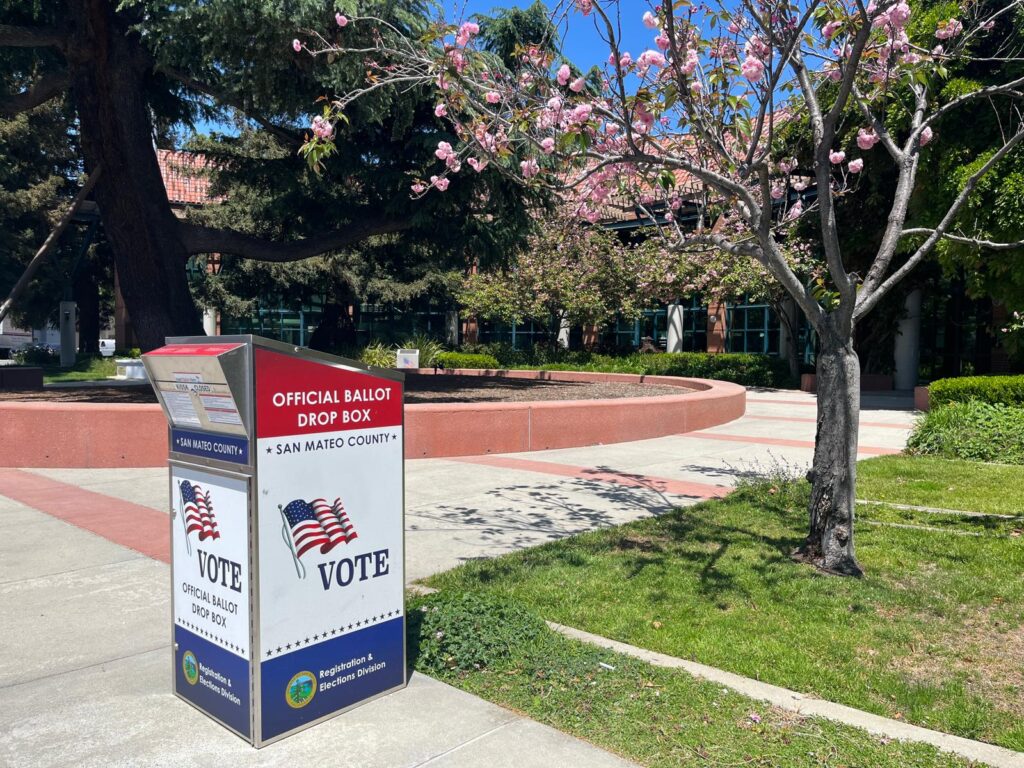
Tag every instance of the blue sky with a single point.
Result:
(581, 45)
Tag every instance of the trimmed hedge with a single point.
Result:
(467, 360)
(1008, 390)
(742, 368)
(972, 430)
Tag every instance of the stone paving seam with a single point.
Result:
(466, 743)
(662, 485)
(134, 556)
(784, 442)
(74, 670)
(800, 703)
(871, 424)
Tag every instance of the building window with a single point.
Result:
(519, 336)
(752, 328)
(695, 325)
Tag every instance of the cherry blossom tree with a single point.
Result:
(573, 273)
(697, 119)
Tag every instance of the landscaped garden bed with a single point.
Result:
(418, 389)
(933, 635)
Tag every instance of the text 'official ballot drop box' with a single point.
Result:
(288, 562)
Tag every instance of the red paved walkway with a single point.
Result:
(131, 525)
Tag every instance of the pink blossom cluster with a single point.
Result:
(650, 59)
(445, 152)
(867, 138)
(758, 52)
(322, 128)
(466, 33)
(949, 29)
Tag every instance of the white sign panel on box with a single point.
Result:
(210, 558)
(330, 494)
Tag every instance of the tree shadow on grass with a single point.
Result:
(691, 540)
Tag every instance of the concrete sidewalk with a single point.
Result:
(85, 675)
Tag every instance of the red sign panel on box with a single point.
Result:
(301, 397)
(194, 350)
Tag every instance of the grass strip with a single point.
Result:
(932, 635)
(658, 717)
(936, 482)
(84, 369)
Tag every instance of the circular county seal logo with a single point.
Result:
(190, 667)
(301, 690)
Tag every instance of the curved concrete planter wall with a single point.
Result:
(37, 434)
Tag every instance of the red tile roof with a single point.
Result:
(184, 177)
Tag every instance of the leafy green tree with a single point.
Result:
(574, 273)
(38, 171)
(142, 69)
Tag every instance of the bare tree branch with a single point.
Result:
(1006, 89)
(823, 173)
(200, 239)
(41, 91)
(867, 299)
(31, 37)
(980, 242)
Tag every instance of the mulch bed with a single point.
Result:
(419, 389)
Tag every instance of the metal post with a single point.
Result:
(68, 342)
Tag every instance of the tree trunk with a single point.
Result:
(109, 69)
(833, 476)
(87, 294)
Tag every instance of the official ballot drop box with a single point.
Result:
(287, 505)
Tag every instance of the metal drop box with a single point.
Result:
(287, 530)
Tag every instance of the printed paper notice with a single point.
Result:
(181, 408)
(220, 409)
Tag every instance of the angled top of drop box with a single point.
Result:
(205, 382)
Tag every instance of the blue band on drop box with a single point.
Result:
(338, 673)
(210, 446)
(212, 678)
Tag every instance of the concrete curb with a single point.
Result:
(783, 698)
(53, 434)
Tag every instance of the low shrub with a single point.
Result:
(378, 356)
(972, 430)
(37, 355)
(429, 349)
(469, 630)
(467, 360)
(741, 368)
(1008, 390)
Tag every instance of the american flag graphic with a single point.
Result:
(318, 524)
(198, 510)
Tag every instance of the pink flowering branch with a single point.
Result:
(543, 126)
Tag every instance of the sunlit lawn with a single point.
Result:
(933, 634)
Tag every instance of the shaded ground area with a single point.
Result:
(419, 389)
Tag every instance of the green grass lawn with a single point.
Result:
(947, 483)
(85, 369)
(658, 717)
(934, 634)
